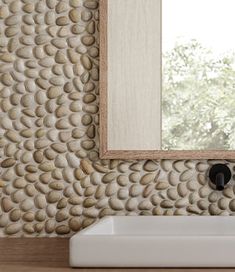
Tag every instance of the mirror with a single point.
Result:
(167, 79)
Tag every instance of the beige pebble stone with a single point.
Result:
(12, 20)
(60, 57)
(12, 228)
(89, 202)
(89, 98)
(62, 21)
(145, 205)
(86, 119)
(47, 166)
(204, 191)
(75, 224)
(29, 7)
(111, 189)
(166, 204)
(150, 166)
(54, 92)
(62, 124)
(91, 27)
(51, 3)
(30, 190)
(60, 148)
(7, 79)
(7, 57)
(181, 203)
(74, 15)
(109, 177)
(40, 215)
(147, 178)
(46, 62)
(19, 183)
(28, 19)
(60, 161)
(3, 220)
(53, 196)
(214, 209)
(162, 185)
(86, 167)
(93, 52)
(74, 119)
(50, 225)
(73, 146)
(50, 17)
(61, 215)
(232, 205)
(61, 7)
(122, 180)
(62, 203)
(59, 43)
(116, 204)
(42, 39)
(131, 204)
(91, 4)
(28, 29)
(203, 204)
(228, 192)
(14, 6)
(86, 15)
(13, 136)
(51, 210)
(223, 203)
(62, 229)
(28, 216)
(6, 204)
(3, 12)
(90, 109)
(88, 40)
(11, 31)
(64, 31)
(26, 205)
(89, 191)
(73, 56)
(88, 144)
(123, 193)
(51, 30)
(77, 29)
(15, 215)
(76, 210)
(8, 163)
(24, 52)
(186, 175)
(182, 189)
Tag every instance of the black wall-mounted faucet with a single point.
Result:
(220, 175)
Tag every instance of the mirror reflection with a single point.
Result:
(198, 75)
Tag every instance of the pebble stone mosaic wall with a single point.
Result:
(52, 180)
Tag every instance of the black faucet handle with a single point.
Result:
(220, 175)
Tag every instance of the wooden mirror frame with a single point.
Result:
(106, 153)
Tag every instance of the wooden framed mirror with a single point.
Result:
(160, 96)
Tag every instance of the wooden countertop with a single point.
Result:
(52, 255)
(45, 268)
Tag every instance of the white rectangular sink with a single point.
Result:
(154, 241)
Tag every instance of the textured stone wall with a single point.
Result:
(52, 180)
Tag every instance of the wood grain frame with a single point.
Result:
(105, 153)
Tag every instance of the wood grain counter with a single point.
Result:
(52, 255)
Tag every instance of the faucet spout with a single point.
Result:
(219, 182)
(220, 175)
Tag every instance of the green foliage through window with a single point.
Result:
(198, 99)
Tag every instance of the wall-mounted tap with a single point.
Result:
(220, 175)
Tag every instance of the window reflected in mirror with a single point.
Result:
(198, 75)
